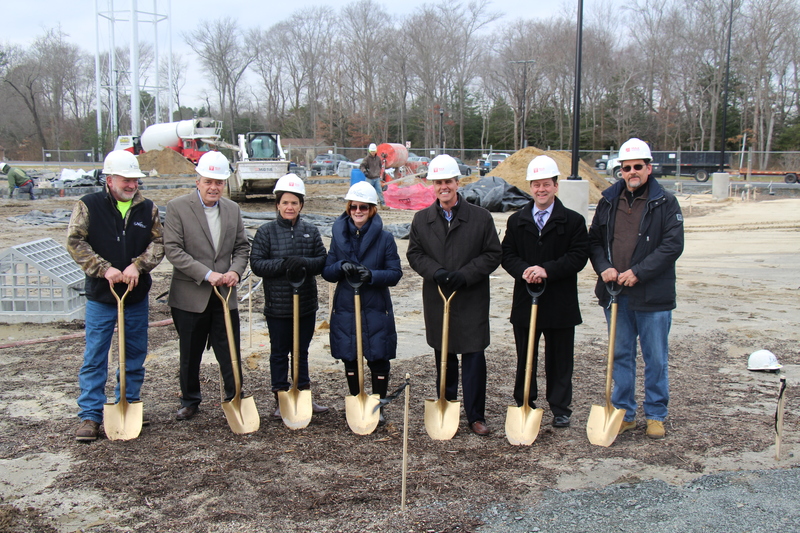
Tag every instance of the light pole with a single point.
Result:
(441, 131)
(725, 98)
(576, 107)
(524, 106)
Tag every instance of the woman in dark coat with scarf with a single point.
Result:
(361, 249)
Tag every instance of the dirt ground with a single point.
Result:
(738, 292)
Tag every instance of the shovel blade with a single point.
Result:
(603, 425)
(522, 425)
(295, 407)
(242, 415)
(362, 415)
(441, 418)
(123, 420)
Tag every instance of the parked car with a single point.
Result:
(491, 161)
(465, 169)
(327, 164)
(609, 164)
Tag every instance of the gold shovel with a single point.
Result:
(522, 423)
(362, 410)
(240, 412)
(122, 420)
(441, 416)
(295, 404)
(604, 422)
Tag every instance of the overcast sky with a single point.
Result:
(25, 22)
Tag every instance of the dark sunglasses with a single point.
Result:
(627, 168)
(364, 208)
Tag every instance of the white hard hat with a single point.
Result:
(542, 167)
(362, 192)
(372, 147)
(763, 360)
(443, 167)
(214, 165)
(290, 183)
(634, 149)
(4, 167)
(122, 163)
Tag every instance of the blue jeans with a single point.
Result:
(376, 184)
(100, 321)
(652, 330)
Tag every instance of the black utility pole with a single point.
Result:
(725, 98)
(576, 106)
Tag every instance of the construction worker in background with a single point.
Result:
(105, 231)
(372, 166)
(454, 246)
(17, 179)
(546, 243)
(287, 248)
(205, 241)
(635, 239)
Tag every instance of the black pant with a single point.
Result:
(194, 330)
(281, 340)
(473, 382)
(379, 372)
(559, 352)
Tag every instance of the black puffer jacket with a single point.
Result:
(274, 242)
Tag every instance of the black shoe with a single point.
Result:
(561, 421)
(186, 412)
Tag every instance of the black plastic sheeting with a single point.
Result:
(495, 194)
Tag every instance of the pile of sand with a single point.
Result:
(514, 168)
(166, 162)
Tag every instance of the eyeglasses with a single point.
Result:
(627, 168)
(363, 208)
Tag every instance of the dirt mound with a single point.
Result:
(513, 170)
(166, 162)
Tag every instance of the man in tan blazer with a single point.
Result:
(205, 241)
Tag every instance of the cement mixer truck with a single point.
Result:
(190, 138)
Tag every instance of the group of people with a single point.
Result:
(634, 241)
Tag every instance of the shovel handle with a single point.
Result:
(297, 283)
(121, 337)
(445, 342)
(613, 289)
(237, 378)
(538, 290)
(540, 287)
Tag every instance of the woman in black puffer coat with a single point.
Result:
(283, 248)
(361, 249)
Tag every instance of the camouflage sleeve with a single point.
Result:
(154, 253)
(78, 247)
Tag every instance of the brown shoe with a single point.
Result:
(479, 427)
(319, 409)
(87, 431)
(655, 429)
(187, 412)
(627, 426)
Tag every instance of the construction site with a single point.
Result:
(737, 293)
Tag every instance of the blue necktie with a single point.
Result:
(540, 218)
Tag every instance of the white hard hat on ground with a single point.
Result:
(122, 163)
(542, 167)
(443, 167)
(372, 148)
(634, 149)
(763, 360)
(214, 165)
(362, 192)
(291, 183)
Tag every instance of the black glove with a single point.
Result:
(455, 281)
(294, 264)
(350, 270)
(440, 277)
(365, 274)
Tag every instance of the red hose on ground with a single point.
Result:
(27, 342)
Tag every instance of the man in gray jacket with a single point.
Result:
(454, 245)
(205, 241)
